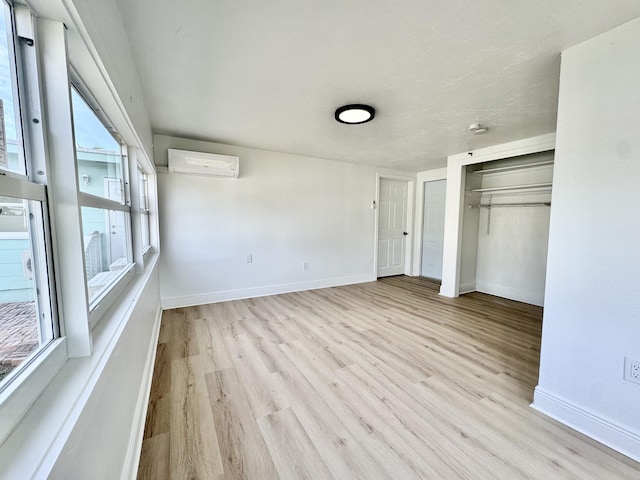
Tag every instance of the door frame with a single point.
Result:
(411, 187)
(107, 182)
(423, 177)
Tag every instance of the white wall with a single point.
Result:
(284, 210)
(592, 305)
(512, 258)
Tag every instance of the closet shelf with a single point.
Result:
(513, 167)
(534, 186)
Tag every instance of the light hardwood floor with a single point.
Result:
(384, 380)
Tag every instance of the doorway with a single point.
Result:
(392, 227)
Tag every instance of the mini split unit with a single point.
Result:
(207, 164)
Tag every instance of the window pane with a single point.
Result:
(98, 154)
(21, 332)
(144, 208)
(10, 158)
(142, 181)
(144, 220)
(106, 253)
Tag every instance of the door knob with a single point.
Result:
(405, 233)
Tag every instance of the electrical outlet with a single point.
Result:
(632, 369)
(249, 258)
(305, 266)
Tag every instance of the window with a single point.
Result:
(145, 225)
(26, 323)
(26, 313)
(106, 222)
(98, 153)
(10, 144)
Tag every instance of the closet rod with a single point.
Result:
(531, 204)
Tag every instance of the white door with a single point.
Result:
(433, 229)
(392, 224)
(116, 223)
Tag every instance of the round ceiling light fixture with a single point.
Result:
(355, 114)
(477, 129)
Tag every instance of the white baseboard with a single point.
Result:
(132, 460)
(511, 293)
(604, 431)
(227, 295)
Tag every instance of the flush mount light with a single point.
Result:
(477, 129)
(355, 114)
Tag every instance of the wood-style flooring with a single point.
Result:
(383, 380)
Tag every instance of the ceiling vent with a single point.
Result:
(205, 164)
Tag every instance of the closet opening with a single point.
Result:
(505, 227)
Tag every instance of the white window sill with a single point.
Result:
(146, 253)
(23, 391)
(33, 447)
(111, 293)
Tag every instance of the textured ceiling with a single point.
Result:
(270, 74)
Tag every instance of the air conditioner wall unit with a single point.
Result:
(207, 164)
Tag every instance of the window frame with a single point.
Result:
(112, 291)
(144, 209)
(16, 71)
(28, 185)
(40, 245)
(35, 373)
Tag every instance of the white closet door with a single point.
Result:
(433, 229)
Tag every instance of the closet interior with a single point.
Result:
(506, 227)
